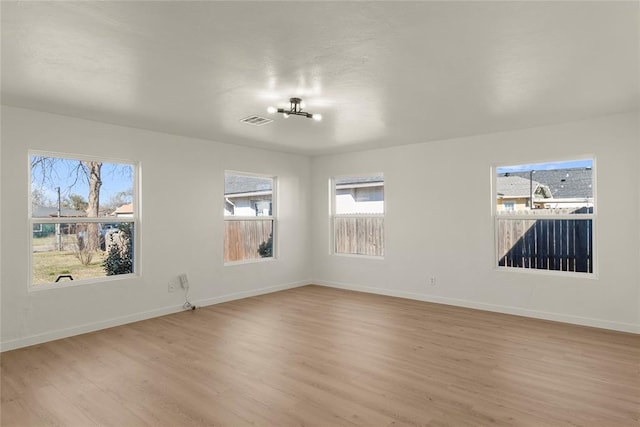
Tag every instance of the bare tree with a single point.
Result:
(93, 169)
(76, 202)
(118, 199)
(44, 169)
(39, 199)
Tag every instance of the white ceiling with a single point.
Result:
(380, 73)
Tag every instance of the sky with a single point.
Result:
(587, 163)
(115, 178)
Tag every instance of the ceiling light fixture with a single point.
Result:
(295, 109)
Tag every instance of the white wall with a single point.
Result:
(181, 226)
(448, 233)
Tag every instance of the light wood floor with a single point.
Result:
(316, 356)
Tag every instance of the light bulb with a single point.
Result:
(286, 115)
(317, 117)
(271, 109)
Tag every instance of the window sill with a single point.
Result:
(249, 261)
(81, 282)
(541, 272)
(372, 257)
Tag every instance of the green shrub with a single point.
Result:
(119, 258)
(266, 248)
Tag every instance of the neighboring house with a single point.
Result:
(41, 230)
(124, 211)
(247, 196)
(514, 193)
(360, 195)
(52, 212)
(570, 188)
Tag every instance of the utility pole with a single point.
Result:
(58, 236)
(531, 172)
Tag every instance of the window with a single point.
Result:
(544, 216)
(83, 219)
(249, 217)
(358, 215)
(509, 206)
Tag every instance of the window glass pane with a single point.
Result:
(359, 195)
(246, 195)
(250, 197)
(543, 244)
(525, 195)
(361, 198)
(62, 252)
(359, 235)
(71, 188)
(550, 188)
(248, 240)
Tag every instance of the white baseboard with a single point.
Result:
(109, 323)
(250, 293)
(136, 317)
(557, 317)
(88, 327)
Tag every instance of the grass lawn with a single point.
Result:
(47, 266)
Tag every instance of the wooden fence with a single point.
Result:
(362, 236)
(243, 238)
(547, 244)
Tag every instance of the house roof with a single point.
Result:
(564, 183)
(124, 209)
(241, 184)
(52, 212)
(516, 186)
(344, 180)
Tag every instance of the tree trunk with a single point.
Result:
(93, 209)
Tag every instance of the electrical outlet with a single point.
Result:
(172, 287)
(432, 281)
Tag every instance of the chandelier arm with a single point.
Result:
(295, 108)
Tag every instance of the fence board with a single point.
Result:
(549, 244)
(243, 238)
(359, 236)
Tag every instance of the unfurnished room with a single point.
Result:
(320, 213)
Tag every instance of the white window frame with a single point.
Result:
(272, 217)
(515, 216)
(135, 219)
(333, 215)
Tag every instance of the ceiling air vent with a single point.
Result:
(256, 120)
